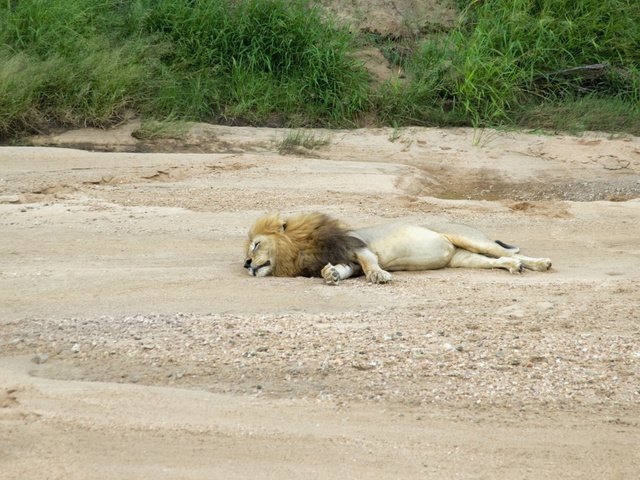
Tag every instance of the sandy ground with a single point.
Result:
(134, 345)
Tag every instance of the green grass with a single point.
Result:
(155, 129)
(508, 56)
(73, 63)
(575, 115)
(297, 140)
(251, 60)
(59, 65)
(92, 62)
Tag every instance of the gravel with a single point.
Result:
(551, 353)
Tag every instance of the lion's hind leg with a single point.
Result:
(476, 242)
(482, 245)
(466, 259)
(537, 264)
(515, 263)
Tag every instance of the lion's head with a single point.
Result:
(262, 245)
(299, 246)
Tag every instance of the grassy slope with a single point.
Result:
(507, 61)
(273, 62)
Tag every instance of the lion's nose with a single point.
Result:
(247, 263)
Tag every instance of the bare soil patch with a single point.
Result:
(134, 345)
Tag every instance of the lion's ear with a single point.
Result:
(283, 227)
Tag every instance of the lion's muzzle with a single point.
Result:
(255, 271)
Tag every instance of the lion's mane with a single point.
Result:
(305, 243)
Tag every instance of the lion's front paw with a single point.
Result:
(378, 276)
(330, 274)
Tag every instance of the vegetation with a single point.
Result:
(526, 61)
(299, 140)
(93, 62)
(552, 64)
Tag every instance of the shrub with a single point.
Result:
(506, 53)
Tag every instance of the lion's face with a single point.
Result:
(261, 255)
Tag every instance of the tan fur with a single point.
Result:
(315, 244)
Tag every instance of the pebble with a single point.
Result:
(478, 355)
(40, 358)
(9, 199)
(449, 347)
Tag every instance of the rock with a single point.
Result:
(40, 358)
(448, 347)
(9, 199)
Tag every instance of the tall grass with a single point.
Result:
(281, 63)
(509, 55)
(92, 62)
(256, 58)
(60, 64)
(296, 141)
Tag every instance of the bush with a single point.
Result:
(506, 53)
(275, 62)
(61, 65)
(91, 62)
(257, 58)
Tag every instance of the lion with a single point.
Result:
(317, 245)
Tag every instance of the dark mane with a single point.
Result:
(305, 243)
(330, 243)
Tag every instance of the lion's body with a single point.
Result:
(318, 245)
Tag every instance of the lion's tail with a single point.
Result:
(508, 247)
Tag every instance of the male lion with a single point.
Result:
(315, 244)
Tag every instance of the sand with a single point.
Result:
(134, 345)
